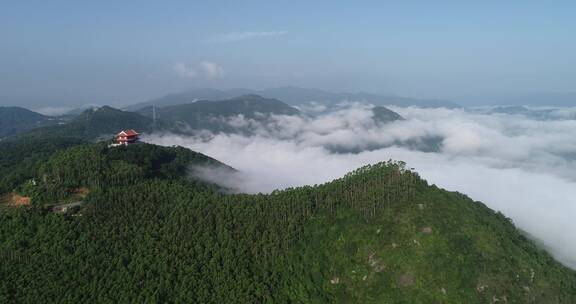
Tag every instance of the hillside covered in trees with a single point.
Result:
(294, 96)
(94, 123)
(15, 120)
(144, 229)
(238, 115)
(215, 115)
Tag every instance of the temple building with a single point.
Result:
(126, 137)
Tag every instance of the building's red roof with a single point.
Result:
(128, 133)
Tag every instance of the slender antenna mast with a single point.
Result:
(154, 117)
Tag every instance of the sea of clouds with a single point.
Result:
(524, 167)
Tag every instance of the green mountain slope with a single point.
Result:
(384, 115)
(190, 96)
(217, 116)
(21, 158)
(92, 124)
(214, 115)
(296, 95)
(147, 232)
(14, 120)
(290, 95)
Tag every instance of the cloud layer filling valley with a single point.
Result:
(525, 168)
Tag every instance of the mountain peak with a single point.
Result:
(249, 97)
(14, 120)
(291, 95)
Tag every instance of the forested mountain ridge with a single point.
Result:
(384, 115)
(14, 120)
(103, 122)
(239, 114)
(20, 158)
(236, 115)
(95, 166)
(95, 123)
(149, 233)
(219, 116)
(247, 105)
(21, 154)
(292, 96)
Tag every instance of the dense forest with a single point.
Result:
(294, 96)
(214, 115)
(15, 120)
(96, 124)
(92, 124)
(133, 224)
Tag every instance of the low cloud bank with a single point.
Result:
(53, 111)
(523, 167)
(205, 69)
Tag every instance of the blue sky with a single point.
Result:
(121, 52)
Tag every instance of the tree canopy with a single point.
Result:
(149, 231)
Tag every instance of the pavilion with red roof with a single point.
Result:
(127, 137)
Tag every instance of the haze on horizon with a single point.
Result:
(69, 53)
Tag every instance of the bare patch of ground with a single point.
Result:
(82, 191)
(406, 280)
(15, 200)
(375, 263)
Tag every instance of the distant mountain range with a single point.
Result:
(215, 115)
(292, 96)
(537, 113)
(93, 124)
(567, 99)
(14, 120)
(247, 105)
(246, 115)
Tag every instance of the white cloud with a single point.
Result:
(525, 168)
(184, 70)
(205, 69)
(212, 70)
(53, 111)
(56, 111)
(240, 36)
